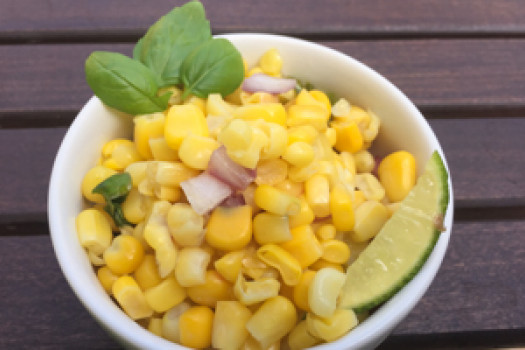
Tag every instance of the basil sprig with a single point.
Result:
(115, 189)
(177, 50)
(171, 39)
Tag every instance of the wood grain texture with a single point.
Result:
(467, 77)
(478, 289)
(58, 20)
(482, 157)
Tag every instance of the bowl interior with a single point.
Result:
(403, 127)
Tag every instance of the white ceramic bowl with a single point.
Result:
(403, 127)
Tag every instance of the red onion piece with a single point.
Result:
(205, 192)
(234, 200)
(225, 169)
(266, 83)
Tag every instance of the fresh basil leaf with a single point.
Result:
(214, 67)
(114, 187)
(123, 83)
(171, 39)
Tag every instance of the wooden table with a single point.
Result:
(461, 61)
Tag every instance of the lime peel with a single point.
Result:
(402, 246)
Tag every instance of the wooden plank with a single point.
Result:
(483, 156)
(22, 20)
(465, 77)
(478, 289)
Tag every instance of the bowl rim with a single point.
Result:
(366, 334)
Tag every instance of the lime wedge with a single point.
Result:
(399, 250)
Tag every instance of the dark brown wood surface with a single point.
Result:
(461, 61)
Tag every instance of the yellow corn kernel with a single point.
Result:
(305, 216)
(323, 99)
(147, 273)
(369, 218)
(129, 296)
(277, 139)
(149, 126)
(333, 327)
(392, 207)
(341, 109)
(326, 232)
(299, 338)
(155, 326)
(271, 62)
(317, 193)
(291, 187)
(300, 290)
(299, 154)
(359, 198)
(271, 228)
(372, 129)
(230, 228)
(195, 151)
(93, 231)
(93, 177)
(288, 266)
(191, 266)
(304, 246)
(185, 225)
(119, 153)
(364, 161)
(324, 290)
(335, 251)
(315, 116)
(341, 209)
(183, 120)
(229, 331)
(134, 206)
(254, 70)
(124, 254)
(158, 237)
(268, 111)
(348, 137)
(230, 264)
(370, 186)
(322, 263)
(271, 171)
(236, 135)
(168, 193)
(161, 151)
(272, 321)
(196, 101)
(308, 98)
(301, 174)
(302, 133)
(106, 278)
(397, 173)
(249, 157)
(137, 171)
(215, 288)
(348, 161)
(248, 98)
(254, 267)
(196, 326)
(215, 105)
(169, 174)
(331, 136)
(170, 322)
(165, 295)
(276, 201)
(253, 292)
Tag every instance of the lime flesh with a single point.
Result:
(399, 250)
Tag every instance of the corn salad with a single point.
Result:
(261, 274)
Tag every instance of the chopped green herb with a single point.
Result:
(114, 190)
